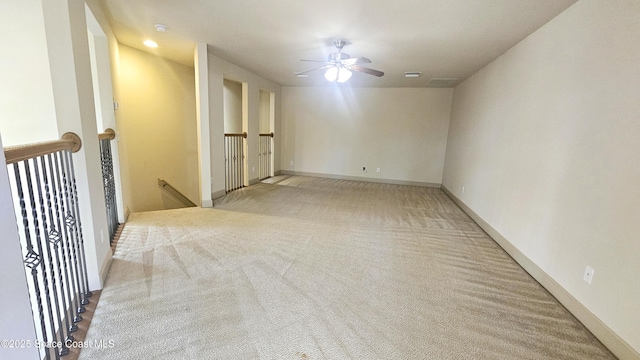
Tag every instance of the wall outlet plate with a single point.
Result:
(588, 275)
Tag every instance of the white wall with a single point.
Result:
(265, 112)
(201, 69)
(336, 130)
(27, 112)
(545, 142)
(69, 61)
(103, 95)
(218, 71)
(232, 94)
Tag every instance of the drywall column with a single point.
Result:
(216, 129)
(200, 58)
(67, 42)
(103, 94)
(251, 122)
(275, 127)
(15, 307)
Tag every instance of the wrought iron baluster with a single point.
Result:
(32, 258)
(70, 223)
(59, 246)
(227, 185)
(109, 186)
(235, 163)
(238, 175)
(76, 208)
(269, 145)
(51, 237)
(39, 240)
(67, 244)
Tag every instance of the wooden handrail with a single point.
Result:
(108, 134)
(244, 134)
(269, 134)
(175, 193)
(68, 141)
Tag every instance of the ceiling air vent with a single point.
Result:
(442, 82)
(412, 74)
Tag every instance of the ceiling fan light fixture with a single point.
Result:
(337, 73)
(340, 66)
(331, 74)
(343, 75)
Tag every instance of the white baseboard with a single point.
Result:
(217, 194)
(104, 271)
(253, 181)
(599, 329)
(361, 178)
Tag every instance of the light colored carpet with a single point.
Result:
(309, 268)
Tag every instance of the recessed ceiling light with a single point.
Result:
(412, 74)
(161, 27)
(151, 43)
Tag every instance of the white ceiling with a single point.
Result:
(440, 38)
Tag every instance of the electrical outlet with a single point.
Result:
(463, 189)
(377, 169)
(291, 163)
(588, 275)
(253, 169)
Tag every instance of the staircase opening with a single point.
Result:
(235, 124)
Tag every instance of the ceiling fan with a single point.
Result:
(339, 65)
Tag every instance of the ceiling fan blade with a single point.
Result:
(354, 61)
(312, 70)
(321, 61)
(366, 70)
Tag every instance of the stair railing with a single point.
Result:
(108, 181)
(265, 156)
(42, 179)
(234, 161)
(180, 197)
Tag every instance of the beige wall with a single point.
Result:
(337, 130)
(545, 142)
(27, 112)
(157, 115)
